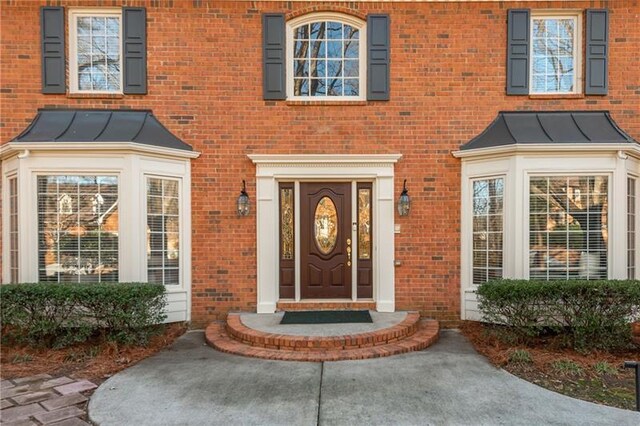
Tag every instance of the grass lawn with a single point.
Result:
(596, 376)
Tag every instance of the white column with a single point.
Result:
(267, 258)
(385, 247)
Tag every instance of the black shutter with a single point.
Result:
(52, 44)
(518, 60)
(378, 58)
(597, 52)
(273, 57)
(134, 48)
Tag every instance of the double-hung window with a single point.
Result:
(96, 51)
(554, 54)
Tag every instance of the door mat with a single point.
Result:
(325, 317)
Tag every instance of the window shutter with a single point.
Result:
(518, 60)
(273, 57)
(378, 58)
(597, 52)
(134, 49)
(53, 52)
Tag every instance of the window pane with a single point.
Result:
(286, 223)
(364, 223)
(78, 228)
(570, 241)
(487, 229)
(13, 229)
(98, 46)
(553, 58)
(163, 231)
(631, 228)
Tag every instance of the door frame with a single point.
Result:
(274, 168)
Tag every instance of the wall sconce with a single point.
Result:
(404, 202)
(243, 201)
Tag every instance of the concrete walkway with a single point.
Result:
(447, 384)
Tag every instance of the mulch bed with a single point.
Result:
(93, 361)
(554, 368)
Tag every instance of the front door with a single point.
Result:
(325, 238)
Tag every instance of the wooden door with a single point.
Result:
(325, 239)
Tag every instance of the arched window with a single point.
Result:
(327, 57)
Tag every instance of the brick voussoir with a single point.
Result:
(426, 334)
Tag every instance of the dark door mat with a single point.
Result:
(325, 317)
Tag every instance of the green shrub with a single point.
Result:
(566, 366)
(604, 368)
(58, 315)
(588, 314)
(520, 356)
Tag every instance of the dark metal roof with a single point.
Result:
(89, 125)
(537, 127)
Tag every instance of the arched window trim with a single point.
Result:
(362, 53)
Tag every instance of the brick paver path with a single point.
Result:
(43, 400)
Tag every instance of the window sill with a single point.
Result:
(95, 95)
(558, 96)
(325, 103)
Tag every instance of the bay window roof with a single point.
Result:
(550, 127)
(100, 126)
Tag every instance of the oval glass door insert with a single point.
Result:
(325, 225)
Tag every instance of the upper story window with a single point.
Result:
(327, 59)
(95, 51)
(554, 54)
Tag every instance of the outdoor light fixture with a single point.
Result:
(404, 202)
(243, 201)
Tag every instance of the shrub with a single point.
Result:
(604, 368)
(58, 315)
(520, 356)
(566, 366)
(588, 314)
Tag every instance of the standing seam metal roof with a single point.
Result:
(542, 127)
(84, 125)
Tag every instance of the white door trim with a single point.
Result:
(271, 168)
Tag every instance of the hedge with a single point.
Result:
(58, 315)
(588, 314)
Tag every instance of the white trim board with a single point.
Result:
(271, 168)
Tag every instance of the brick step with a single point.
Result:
(240, 332)
(323, 305)
(426, 335)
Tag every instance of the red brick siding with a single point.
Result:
(447, 84)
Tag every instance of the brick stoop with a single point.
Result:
(412, 334)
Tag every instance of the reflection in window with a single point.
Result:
(78, 228)
(631, 228)
(553, 55)
(13, 229)
(163, 231)
(98, 53)
(326, 225)
(488, 201)
(364, 223)
(568, 227)
(326, 59)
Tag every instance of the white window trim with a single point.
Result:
(333, 16)
(73, 46)
(145, 260)
(636, 177)
(576, 15)
(272, 168)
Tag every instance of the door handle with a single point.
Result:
(348, 251)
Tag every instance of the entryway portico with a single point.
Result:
(272, 170)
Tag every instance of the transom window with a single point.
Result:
(554, 54)
(96, 51)
(326, 58)
(568, 230)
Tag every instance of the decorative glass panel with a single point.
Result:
(553, 59)
(286, 223)
(364, 223)
(325, 53)
(163, 231)
(98, 53)
(78, 228)
(488, 200)
(631, 228)
(13, 229)
(568, 227)
(326, 225)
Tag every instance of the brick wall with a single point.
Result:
(447, 84)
